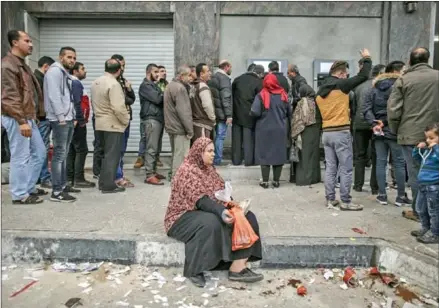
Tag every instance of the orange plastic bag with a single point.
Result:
(243, 235)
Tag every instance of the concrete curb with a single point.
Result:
(278, 252)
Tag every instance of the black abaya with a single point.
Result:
(307, 170)
(208, 240)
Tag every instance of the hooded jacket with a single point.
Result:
(58, 99)
(375, 104)
(333, 99)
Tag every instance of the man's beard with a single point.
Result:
(152, 78)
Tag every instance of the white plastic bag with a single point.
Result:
(225, 195)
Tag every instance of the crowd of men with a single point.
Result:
(384, 107)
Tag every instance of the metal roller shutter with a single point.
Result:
(140, 42)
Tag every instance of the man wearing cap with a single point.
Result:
(244, 90)
(223, 107)
(334, 105)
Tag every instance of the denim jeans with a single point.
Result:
(220, 135)
(62, 137)
(413, 170)
(382, 147)
(45, 129)
(27, 158)
(427, 207)
(339, 160)
(142, 142)
(126, 136)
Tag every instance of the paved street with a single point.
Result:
(287, 211)
(137, 288)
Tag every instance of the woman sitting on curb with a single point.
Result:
(195, 217)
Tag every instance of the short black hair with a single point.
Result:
(434, 127)
(419, 55)
(376, 70)
(150, 66)
(273, 66)
(223, 65)
(199, 68)
(395, 66)
(192, 67)
(14, 35)
(77, 66)
(251, 67)
(117, 57)
(160, 67)
(45, 60)
(112, 66)
(66, 48)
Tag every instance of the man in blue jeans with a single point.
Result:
(21, 104)
(60, 111)
(223, 106)
(43, 125)
(375, 113)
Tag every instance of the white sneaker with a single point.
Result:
(332, 205)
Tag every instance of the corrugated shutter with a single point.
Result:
(140, 42)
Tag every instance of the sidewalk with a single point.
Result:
(296, 227)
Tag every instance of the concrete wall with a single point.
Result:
(12, 17)
(298, 39)
(32, 26)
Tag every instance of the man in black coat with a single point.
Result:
(297, 81)
(244, 89)
(273, 67)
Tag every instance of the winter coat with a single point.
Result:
(271, 131)
(151, 101)
(376, 99)
(414, 103)
(283, 81)
(223, 107)
(359, 123)
(244, 89)
(177, 109)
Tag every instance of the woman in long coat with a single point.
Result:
(306, 129)
(272, 112)
(195, 217)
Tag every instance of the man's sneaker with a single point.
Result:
(400, 201)
(332, 205)
(46, 184)
(85, 184)
(70, 189)
(39, 192)
(428, 238)
(418, 233)
(31, 199)
(63, 197)
(382, 199)
(139, 162)
(350, 207)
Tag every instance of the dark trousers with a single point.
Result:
(77, 155)
(111, 143)
(98, 152)
(153, 133)
(362, 143)
(277, 170)
(201, 132)
(243, 142)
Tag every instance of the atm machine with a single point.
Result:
(321, 69)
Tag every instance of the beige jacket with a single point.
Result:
(108, 101)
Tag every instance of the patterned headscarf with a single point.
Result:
(192, 181)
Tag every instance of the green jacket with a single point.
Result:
(414, 103)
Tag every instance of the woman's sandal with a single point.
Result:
(124, 183)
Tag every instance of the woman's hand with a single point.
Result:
(227, 217)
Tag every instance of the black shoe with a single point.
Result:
(246, 275)
(70, 189)
(39, 192)
(428, 238)
(400, 201)
(113, 191)
(382, 199)
(418, 233)
(374, 192)
(46, 184)
(264, 185)
(358, 189)
(32, 199)
(276, 184)
(63, 197)
(198, 280)
(85, 184)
